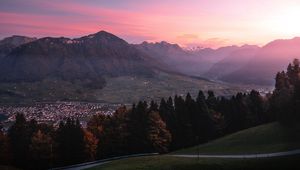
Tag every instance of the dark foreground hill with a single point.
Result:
(261, 139)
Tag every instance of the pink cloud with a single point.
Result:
(80, 21)
(83, 19)
(152, 20)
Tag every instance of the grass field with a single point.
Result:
(174, 163)
(261, 139)
(267, 138)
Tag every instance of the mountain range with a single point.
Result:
(42, 67)
(96, 67)
(266, 62)
(247, 64)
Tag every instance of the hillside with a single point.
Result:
(261, 139)
(175, 163)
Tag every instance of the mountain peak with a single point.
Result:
(101, 36)
(249, 46)
(102, 33)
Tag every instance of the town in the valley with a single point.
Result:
(53, 113)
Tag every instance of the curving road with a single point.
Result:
(243, 156)
(100, 162)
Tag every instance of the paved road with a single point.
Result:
(100, 162)
(265, 155)
(245, 156)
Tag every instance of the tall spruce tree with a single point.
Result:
(20, 138)
(70, 143)
(284, 102)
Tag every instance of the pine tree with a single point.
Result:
(153, 106)
(167, 114)
(211, 100)
(256, 108)
(285, 101)
(20, 138)
(185, 132)
(70, 143)
(137, 125)
(202, 120)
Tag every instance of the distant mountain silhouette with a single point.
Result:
(247, 64)
(207, 57)
(188, 62)
(266, 62)
(234, 61)
(169, 54)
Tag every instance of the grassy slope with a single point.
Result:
(265, 138)
(261, 139)
(175, 163)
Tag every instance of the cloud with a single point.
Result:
(211, 43)
(215, 42)
(75, 19)
(183, 22)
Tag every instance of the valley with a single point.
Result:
(120, 90)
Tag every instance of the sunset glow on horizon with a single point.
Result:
(205, 23)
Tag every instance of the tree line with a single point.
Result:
(172, 124)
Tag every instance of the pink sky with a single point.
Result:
(207, 23)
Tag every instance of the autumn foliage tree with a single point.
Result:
(157, 133)
(91, 145)
(41, 150)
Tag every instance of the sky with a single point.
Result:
(203, 23)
